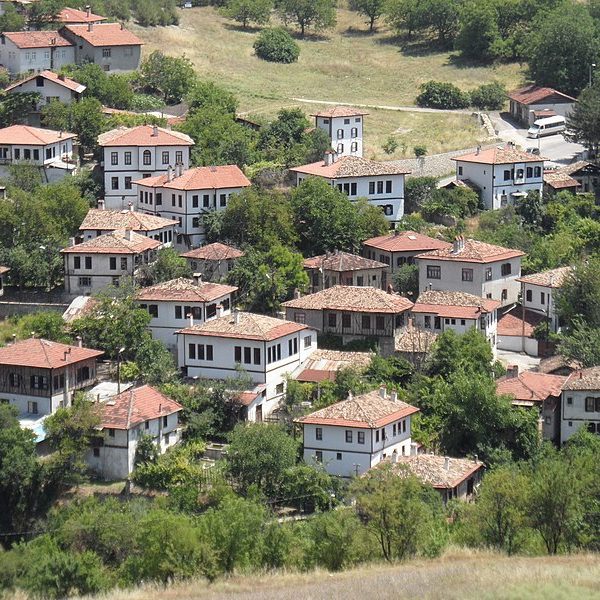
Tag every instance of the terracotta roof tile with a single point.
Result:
(415, 340)
(323, 364)
(586, 379)
(577, 166)
(556, 363)
(43, 354)
(552, 279)
(499, 156)
(511, 323)
(215, 251)
(366, 411)
(340, 111)
(143, 135)
(72, 15)
(115, 242)
(103, 220)
(559, 180)
(351, 166)
(454, 304)
(135, 406)
(342, 261)
(472, 251)
(180, 290)
(530, 386)
(352, 299)
(65, 82)
(105, 34)
(532, 94)
(406, 241)
(25, 135)
(201, 178)
(36, 39)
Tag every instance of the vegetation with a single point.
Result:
(276, 45)
(249, 11)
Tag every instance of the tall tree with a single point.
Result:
(372, 9)
(579, 296)
(478, 30)
(170, 76)
(248, 11)
(583, 122)
(319, 14)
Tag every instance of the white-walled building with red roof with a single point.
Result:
(352, 436)
(213, 261)
(185, 195)
(533, 102)
(501, 174)
(344, 126)
(132, 153)
(580, 403)
(474, 267)
(124, 420)
(34, 51)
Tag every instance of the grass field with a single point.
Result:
(343, 65)
(458, 575)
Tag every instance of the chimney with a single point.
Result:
(170, 173)
(122, 26)
(60, 134)
(447, 463)
(478, 150)
(88, 11)
(219, 311)
(475, 458)
(71, 242)
(197, 277)
(328, 158)
(456, 244)
(130, 204)
(296, 293)
(79, 342)
(394, 396)
(101, 204)
(414, 450)
(512, 371)
(382, 391)
(90, 27)
(14, 338)
(180, 170)
(236, 316)
(129, 234)
(67, 352)
(190, 316)
(350, 395)
(154, 130)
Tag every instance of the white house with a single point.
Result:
(351, 436)
(51, 151)
(538, 293)
(106, 260)
(344, 126)
(501, 174)
(186, 195)
(532, 102)
(353, 313)
(474, 267)
(171, 303)
(125, 419)
(459, 311)
(580, 403)
(213, 261)
(132, 153)
(3, 272)
(264, 347)
(343, 268)
(38, 376)
(34, 51)
(381, 183)
(99, 221)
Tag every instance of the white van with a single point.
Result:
(547, 126)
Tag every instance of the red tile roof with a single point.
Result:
(36, 39)
(586, 379)
(454, 304)
(104, 220)
(553, 278)
(200, 178)
(115, 242)
(135, 406)
(559, 180)
(351, 166)
(340, 111)
(105, 34)
(43, 354)
(341, 261)
(70, 84)
(185, 290)
(323, 365)
(72, 15)
(529, 386)
(532, 94)
(499, 156)
(143, 135)
(511, 323)
(469, 250)
(215, 251)
(23, 135)
(406, 241)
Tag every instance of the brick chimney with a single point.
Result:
(88, 11)
(101, 204)
(512, 371)
(90, 27)
(129, 234)
(383, 392)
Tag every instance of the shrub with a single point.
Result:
(490, 96)
(420, 151)
(276, 45)
(436, 94)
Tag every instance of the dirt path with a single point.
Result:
(465, 111)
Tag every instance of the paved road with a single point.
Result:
(522, 360)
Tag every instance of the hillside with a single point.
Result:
(482, 576)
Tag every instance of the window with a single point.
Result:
(128, 51)
(488, 274)
(256, 356)
(504, 295)
(434, 272)
(437, 323)
(223, 200)
(77, 262)
(146, 424)
(467, 274)
(112, 263)
(319, 433)
(127, 158)
(299, 317)
(153, 310)
(537, 171)
(340, 134)
(293, 347)
(427, 322)
(106, 52)
(380, 187)
(361, 437)
(180, 204)
(380, 322)
(114, 183)
(506, 174)
(247, 355)
(354, 132)
(96, 452)
(192, 351)
(542, 298)
(460, 170)
(318, 456)
(340, 148)
(371, 188)
(366, 322)
(520, 174)
(529, 295)
(38, 382)
(237, 354)
(346, 321)
(377, 435)
(506, 269)
(338, 456)
(147, 157)
(32, 408)
(111, 433)
(354, 147)
(165, 420)
(123, 263)
(388, 187)
(179, 157)
(88, 262)
(529, 172)
(128, 185)
(463, 322)
(307, 341)
(348, 436)
(165, 157)
(195, 201)
(279, 388)
(114, 158)
(205, 200)
(394, 430)
(332, 320)
(570, 401)
(590, 404)
(85, 282)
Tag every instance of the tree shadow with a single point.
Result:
(352, 32)
(249, 29)
(460, 62)
(309, 36)
(414, 47)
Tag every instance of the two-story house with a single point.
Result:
(106, 260)
(50, 151)
(3, 272)
(109, 45)
(351, 436)
(38, 376)
(171, 303)
(580, 403)
(99, 221)
(343, 268)
(186, 196)
(353, 313)
(213, 261)
(266, 348)
(440, 311)
(381, 183)
(539, 290)
(474, 267)
(132, 153)
(344, 127)
(34, 51)
(125, 419)
(501, 174)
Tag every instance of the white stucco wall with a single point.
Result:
(573, 413)
(332, 126)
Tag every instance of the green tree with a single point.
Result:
(171, 77)
(307, 488)
(43, 12)
(319, 14)
(46, 325)
(437, 94)
(443, 18)
(371, 9)
(146, 450)
(406, 15)
(207, 94)
(15, 108)
(155, 363)
(489, 96)
(579, 296)
(11, 20)
(478, 30)
(259, 455)
(583, 122)
(167, 266)
(406, 281)
(581, 344)
(417, 190)
(275, 44)
(248, 11)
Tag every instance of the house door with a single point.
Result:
(259, 414)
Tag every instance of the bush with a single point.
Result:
(436, 94)
(490, 96)
(420, 151)
(276, 45)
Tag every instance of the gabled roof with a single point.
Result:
(72, 15)
(470, 250)
(180, 290)
(586, 379)
(102, 220)
(529, 386)
(24, 135)
(200, 178)
(532, 94)
(582, 166)
(351, 166)
(558, 180)
(215, 251)
(115, 242)
(557, 363)
(65, 82)
(340, 111)
(414, 340)
(135, 406)
(553, 278)
(4, 270)
(511, 322)
(144, 135)
(454, 304)
(352, 299)
(323, 365)
(43, 354)
(105, 34)
(406, 241)
(341, 261)
(245, 326)
(36, 39)
(499, 156)
(367, 411)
